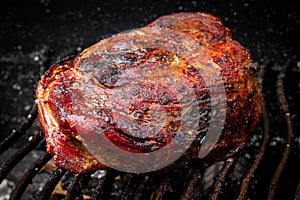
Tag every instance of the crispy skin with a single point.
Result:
(82, 94)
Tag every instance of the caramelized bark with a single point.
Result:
(105, 93)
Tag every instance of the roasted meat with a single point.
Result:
(142, 88)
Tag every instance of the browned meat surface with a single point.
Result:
(143, 81)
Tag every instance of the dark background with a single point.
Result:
(36, 34)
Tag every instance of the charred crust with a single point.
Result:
(228, 56)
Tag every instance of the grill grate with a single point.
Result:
(290, 134)
(52, 182)
(247, 180)
(17, 157)
(195, 179)
(28, 176)
(21, 130)
(221, 179)
(119, 185)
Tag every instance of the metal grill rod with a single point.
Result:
(189, 191)
(51, 184)
(75, 189)
(163, 187)
(290, 133)
(28, 176)
(103, 185)
(220, 180)
(250, 175)
(297, 194)
(21, 130)
(19, 155)
(132, 186)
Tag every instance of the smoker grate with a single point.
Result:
(181, 184)
(52, 182)
(30, 173)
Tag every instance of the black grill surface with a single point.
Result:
(36, 34)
